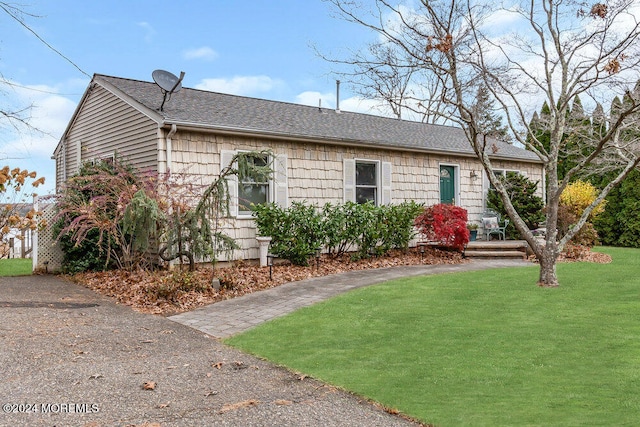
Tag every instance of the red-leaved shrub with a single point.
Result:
(445, 224)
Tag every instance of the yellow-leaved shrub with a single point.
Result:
(578, 195)
(575, 198)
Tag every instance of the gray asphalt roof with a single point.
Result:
(218, 110)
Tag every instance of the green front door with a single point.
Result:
(447, 185)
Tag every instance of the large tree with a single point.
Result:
(380, 72)
(531, 52)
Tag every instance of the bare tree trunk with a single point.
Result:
(548, 275)
(555, 56)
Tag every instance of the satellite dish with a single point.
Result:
(168, 82)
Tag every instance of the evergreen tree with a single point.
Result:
(574, 147)
(619, 224)
(489, 120)
(579, 129)
(534, 125)
(599, 121)
(539, 126)
(522, 192)
(616, 107)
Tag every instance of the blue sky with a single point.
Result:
(258, 48)
(255, 48)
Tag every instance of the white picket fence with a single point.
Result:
(17, 244)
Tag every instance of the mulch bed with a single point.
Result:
(171, 292)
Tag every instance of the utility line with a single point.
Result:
(3, 6)
(9, 83)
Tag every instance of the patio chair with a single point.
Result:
(492, 224)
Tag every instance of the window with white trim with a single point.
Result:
(251, 191)
(243, 190)
(109, 159)
(501, 173)
(367, 181)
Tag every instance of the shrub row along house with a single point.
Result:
(320, 155)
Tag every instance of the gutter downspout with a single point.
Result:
(64, 163)
(172, 132)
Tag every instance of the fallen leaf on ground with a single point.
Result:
(163, 405)
(217, 365)
(233, 406)
(140, 289)
(149, 385)
(283, 402)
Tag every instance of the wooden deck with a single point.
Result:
(496, 249)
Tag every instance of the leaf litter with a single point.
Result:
(169, 292)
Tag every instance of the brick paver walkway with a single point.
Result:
(226, 318)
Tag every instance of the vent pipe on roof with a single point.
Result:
(337, 96)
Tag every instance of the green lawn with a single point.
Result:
(15, 267)
(485, 348)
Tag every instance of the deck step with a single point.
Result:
(509, 244)
(497, 249)
(495, 254)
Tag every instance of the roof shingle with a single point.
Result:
(222, 111)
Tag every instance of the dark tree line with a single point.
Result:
(619, 224)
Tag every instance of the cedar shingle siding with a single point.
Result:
(312, 144)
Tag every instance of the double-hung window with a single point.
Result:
(250, 190)
(367, 181)
(245, 190)
(502, 173)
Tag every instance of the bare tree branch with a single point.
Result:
(556, 52)
(16, 13)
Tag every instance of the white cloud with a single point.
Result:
(315, 99)
(366, 106)
(28, 148)
(353, 104)
(150, 32)
(205, 53)
(241, 85)
(502, 20)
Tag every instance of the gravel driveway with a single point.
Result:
(70, 357)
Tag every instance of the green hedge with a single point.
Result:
(300, 230)
(619, 224)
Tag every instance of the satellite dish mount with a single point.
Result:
(169, 84)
